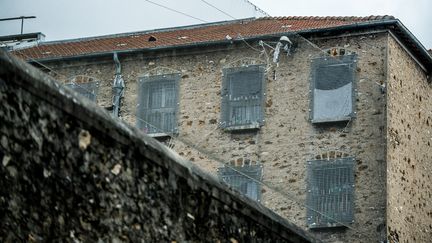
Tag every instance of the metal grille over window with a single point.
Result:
(243, 179)
(157, 104)
(242, 97)
(330, 197)
(333, 88)
(88, 90)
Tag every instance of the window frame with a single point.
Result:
(74, 85)
(227, 103)
(319, 62)
(146, 81)
(313, 218)
(254, 171)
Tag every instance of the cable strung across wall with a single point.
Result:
(222, 162)
(209, 154)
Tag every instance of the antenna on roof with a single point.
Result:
(15, 41)
(22, 20)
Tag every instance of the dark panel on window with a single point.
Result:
(333, 76)
(333, 88)
(330, 196)
(243, 179)
(245, 84)
(88, 90)
(157, 103)
(242, 96)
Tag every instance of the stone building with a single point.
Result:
(325, 120)
(70, 172)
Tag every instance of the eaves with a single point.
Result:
(393, 25)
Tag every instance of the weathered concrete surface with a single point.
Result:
(288, 139)
(71, 173)
(409, 149)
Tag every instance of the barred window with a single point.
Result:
(330, 197)
(333, 88)
(157, 104)
(244, 179)
(88, 89)
(242, 97)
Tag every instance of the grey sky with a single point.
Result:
(63, 19)
(416, 15)
(60, 19)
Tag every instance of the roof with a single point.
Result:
(187, 35)
(20, 37)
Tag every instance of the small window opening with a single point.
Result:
(332, 89)
(242, 98)
(330, 192)
(152, 38)
(245, 179)
(157, 104)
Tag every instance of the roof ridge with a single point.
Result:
(220, 32)
(143, 32)
(346, 18)
(225, 22)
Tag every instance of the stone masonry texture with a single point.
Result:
(288, 139)
(409, 150)
(71, 173)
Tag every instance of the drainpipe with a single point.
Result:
(118, 87)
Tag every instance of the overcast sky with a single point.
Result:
(65, 19)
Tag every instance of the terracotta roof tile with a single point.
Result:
(186, 35)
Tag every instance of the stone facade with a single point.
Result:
(71, 173)
(288, 139)
(409, 151)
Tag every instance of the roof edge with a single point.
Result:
(224, 41)
(384, 22)
(151, 31)
(346, 18)
(22, 36)
(422, 49)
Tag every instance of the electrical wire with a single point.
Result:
(216, 159)
(213, 157)
(173, 10)
(209, 154)
(218, 9)
(343, 130)
(257, 8)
